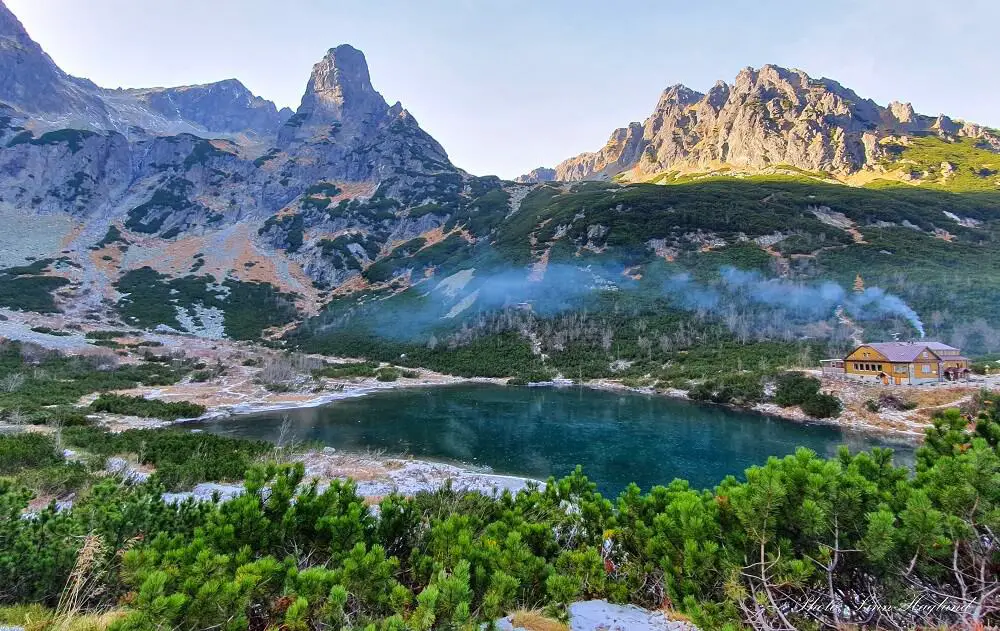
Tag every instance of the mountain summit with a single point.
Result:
(767, 118)
(339, 93)
(340, 87)
(346, 128)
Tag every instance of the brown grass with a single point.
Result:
(432, 237)
(351, 285)
(934, 397)
(535, 620)
(78, 622)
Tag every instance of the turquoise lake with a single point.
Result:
(537, 432)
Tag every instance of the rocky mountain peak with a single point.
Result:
(340, 87)
(679, 95)
(541, 174)
(32, 83)
(345, 66)
(718, 95)
(347, 131)
(770, 82)
(944, 125)
(225, 106)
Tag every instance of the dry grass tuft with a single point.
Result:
(82, 585)
(535, 620)
(35, 617)
(80, 622)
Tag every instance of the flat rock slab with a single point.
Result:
(206, 492)
(600, 615)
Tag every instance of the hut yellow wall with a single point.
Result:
(918, 369)
(874, 359)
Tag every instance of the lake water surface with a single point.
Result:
(538, 432)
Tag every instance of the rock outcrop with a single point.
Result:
(767, 118)
(541, 174)
(600, 615)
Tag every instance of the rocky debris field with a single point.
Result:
(375, 476)
(21, 331)
(378, 477)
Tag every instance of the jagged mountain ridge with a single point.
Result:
(766, 118)
(51, 99)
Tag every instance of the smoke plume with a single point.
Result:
(743, 300)
(800, 300)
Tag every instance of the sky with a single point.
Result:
(506, 86)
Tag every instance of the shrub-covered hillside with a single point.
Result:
(598, 279)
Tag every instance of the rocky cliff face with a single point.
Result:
(344, 132)
(766, 118)
(31, 81)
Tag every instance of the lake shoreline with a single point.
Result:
(263, 401)
(536, 432)
(239, 392)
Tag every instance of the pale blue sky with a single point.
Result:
(508, 86)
